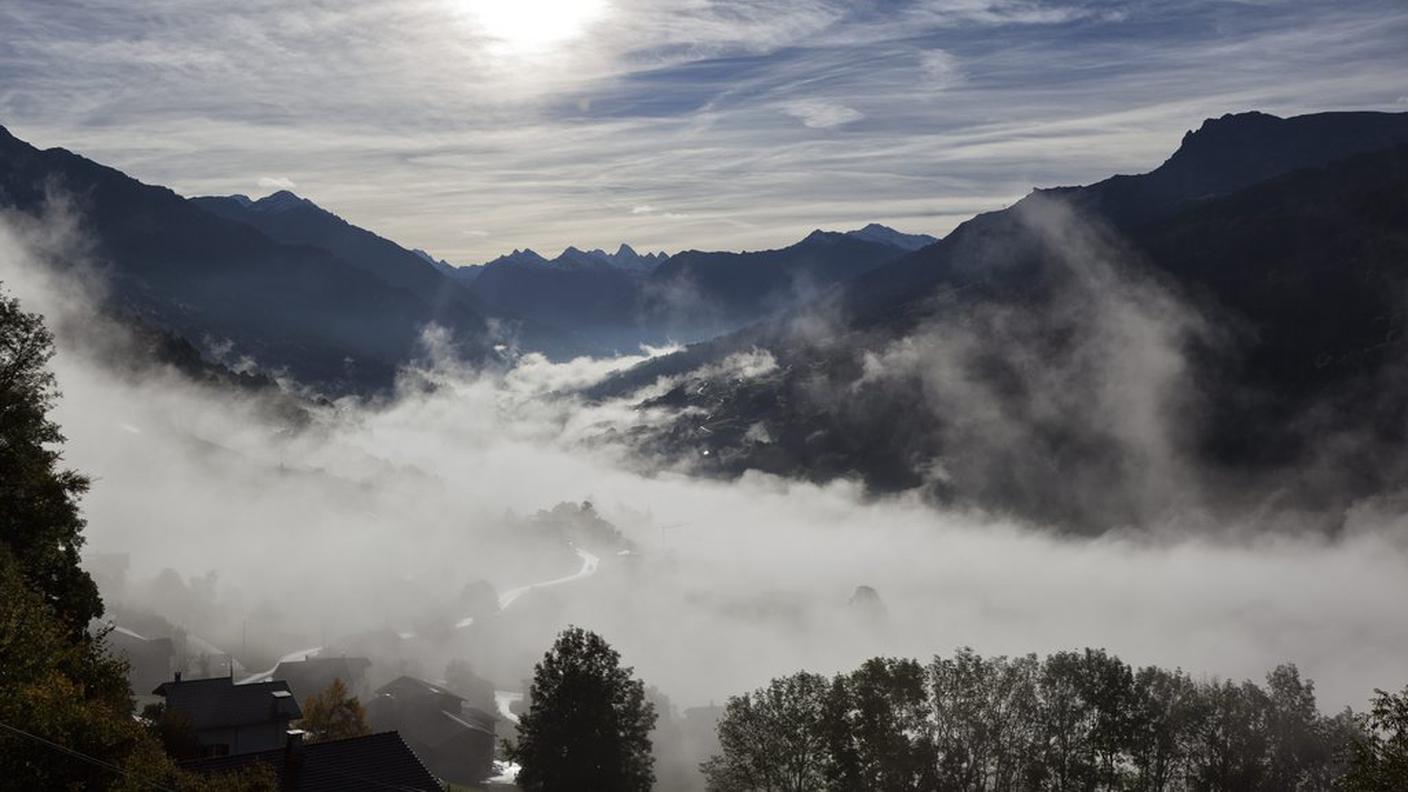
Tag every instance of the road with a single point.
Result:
(589, 565)
(291, 657)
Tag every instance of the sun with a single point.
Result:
(533, 26)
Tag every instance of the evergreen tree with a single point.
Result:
(589, 724)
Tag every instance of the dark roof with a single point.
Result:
(374, 763)
(219, 702)
(313, 675)
(408, 686)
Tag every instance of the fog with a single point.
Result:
(376, 515)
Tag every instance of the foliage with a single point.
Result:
(589, 724)
(68, 693)
(774, 738)
(173, 729)
(1379, 756)
(1082, 721)
(39, 521)
(334, 714)
(57, 683)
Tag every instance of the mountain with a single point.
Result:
(707, 293)
(190, 268)
(1224, 330)
(594, 302)
(618, 301)
(889, 236)
(287, 218)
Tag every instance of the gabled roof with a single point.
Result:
(408, 686)
(219, 702)
(311, 676)
(374, 763)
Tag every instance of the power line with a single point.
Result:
(93, 760)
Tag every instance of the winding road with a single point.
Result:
(589, 566)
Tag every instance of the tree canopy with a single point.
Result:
(1073, 721)
(40, 521)
(589, 723)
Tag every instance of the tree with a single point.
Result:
(68, 693)
(39, 518)
(1379, 758)
(334, 714)
(589, 724)
(173, 729)
(1296, 732)
(878, 728)
(1230, 753)
(773, 739)
(1163, 719)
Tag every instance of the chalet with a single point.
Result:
(149, 660)
(374, 763)
(230, 719)
(313, 675)
(454, 740)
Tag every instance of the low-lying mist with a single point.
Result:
(377, 515)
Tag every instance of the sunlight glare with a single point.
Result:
(532, 26)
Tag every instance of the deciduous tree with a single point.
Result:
(334, 714)
(589, 724)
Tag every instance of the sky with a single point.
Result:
(473, 127)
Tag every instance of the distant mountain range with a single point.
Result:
(234, 270)
(1225, 330)
(306, 294)
(615, 302)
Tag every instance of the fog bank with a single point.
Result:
(375, 516)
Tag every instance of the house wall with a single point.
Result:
(246, 739)
(466, 759)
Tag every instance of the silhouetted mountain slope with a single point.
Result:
(588, 299)
(288, 218)
(1223, 155)
(734, 288)
(291, 307)
(1218, 337)
(889, 236)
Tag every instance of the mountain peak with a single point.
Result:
(885, 235)
(626, 251)
(1230, 129)
(282, 201)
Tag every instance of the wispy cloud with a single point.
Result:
(752, 122)
(276, 183)
(819, 114)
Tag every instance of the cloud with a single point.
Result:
(276, 183)
(819, 114)
(662, 97)
(375, 517)
(646, 209)
(941, 69)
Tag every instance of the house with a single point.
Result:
(374, 763)
(455, 741)
(312, 675)
(149, 660)
(231, 719)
